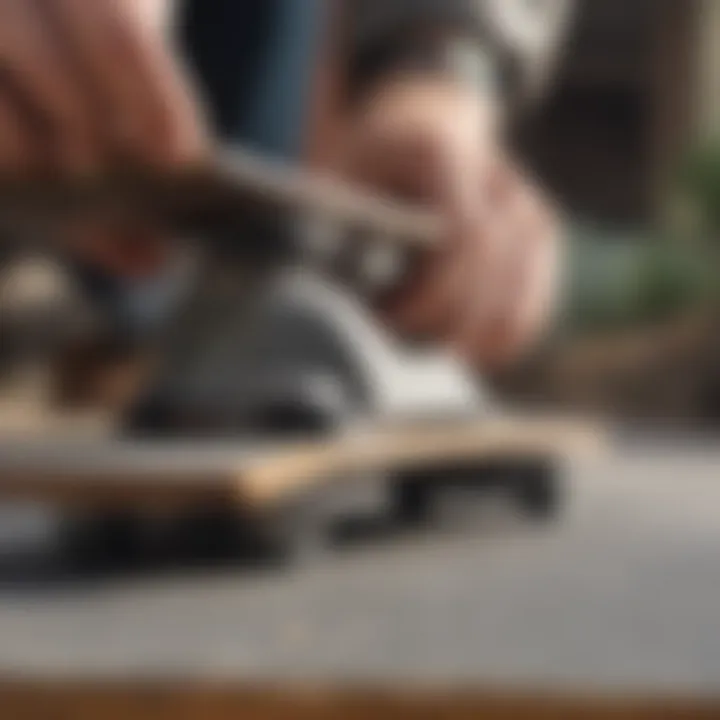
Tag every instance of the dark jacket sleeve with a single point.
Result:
(522, 36)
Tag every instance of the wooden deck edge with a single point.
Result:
(38, 700)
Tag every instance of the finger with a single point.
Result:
(138, 91)
(157, 15)
(17, 154)
(36, 79)
(539, 283)
(430, 301)
(437, 295)
(514, 218)
(403, 167)
(486, 265)
(179, 111)
(507, 209)
(530, 283)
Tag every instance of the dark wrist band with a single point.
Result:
(461, 59)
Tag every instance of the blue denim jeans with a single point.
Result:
(253, 61)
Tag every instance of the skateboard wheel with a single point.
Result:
(537, 491)
(104, 541)
(412, 499)
(209, 534)
(228, 535)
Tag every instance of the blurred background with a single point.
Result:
(628, 141)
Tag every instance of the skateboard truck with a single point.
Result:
(300, 355)
(241, 346)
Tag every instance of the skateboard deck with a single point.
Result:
(159, 475)
(167, 475)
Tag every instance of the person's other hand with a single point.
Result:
(490, 287)
(88, 87)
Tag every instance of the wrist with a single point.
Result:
(426, 106)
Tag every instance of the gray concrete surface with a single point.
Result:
(623, 593)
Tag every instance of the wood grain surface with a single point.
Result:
(187, 701)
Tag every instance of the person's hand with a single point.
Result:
(87, 84)
(88, 87)
(490, 286)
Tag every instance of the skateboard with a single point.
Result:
(275, 490)
(297, 387)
